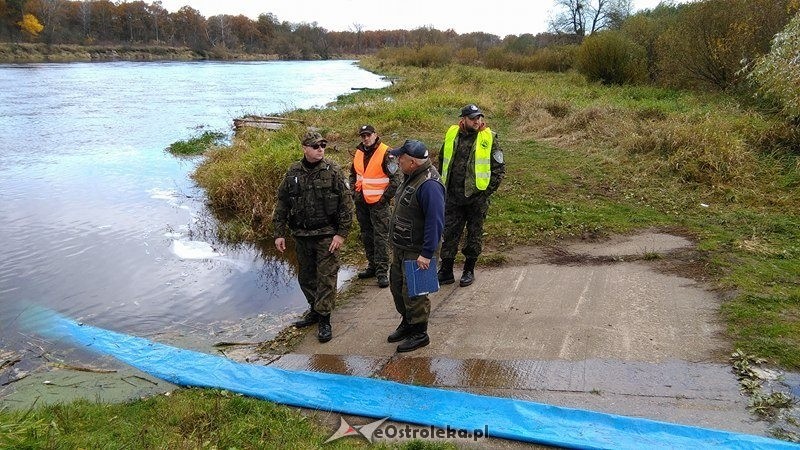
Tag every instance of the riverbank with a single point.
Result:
(587, 163)
(38, 52)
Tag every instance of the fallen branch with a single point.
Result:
(233, 344)
(83, 369)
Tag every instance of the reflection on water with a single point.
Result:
(98, 223)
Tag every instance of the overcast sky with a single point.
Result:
(500, 17)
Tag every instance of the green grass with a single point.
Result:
(584, 160)
(196, 145)
(189, 418)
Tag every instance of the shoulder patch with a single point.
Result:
(498, 156)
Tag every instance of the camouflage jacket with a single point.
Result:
(313, 202)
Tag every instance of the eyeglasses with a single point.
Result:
(365, 135)
(317, 146)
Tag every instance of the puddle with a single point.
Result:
(668, 379)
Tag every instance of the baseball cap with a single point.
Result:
(471, 111)
(311, 138)
(411, 147)
(363, 129)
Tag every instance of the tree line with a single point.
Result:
(103, 22)
(702, 44)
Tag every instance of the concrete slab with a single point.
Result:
(612, 335)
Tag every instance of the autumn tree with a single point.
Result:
(30, 25)
(190, 28)
(646, 27)
(711, 40)
(50, 12)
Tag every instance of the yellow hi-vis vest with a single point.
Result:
(371, 181)
(483, 154)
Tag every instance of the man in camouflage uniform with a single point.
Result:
(472, 167)
(416, 230)
(314, 203)
(373, 188)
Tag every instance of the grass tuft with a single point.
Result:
(196, 145)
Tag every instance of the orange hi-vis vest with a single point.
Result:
(372, 182)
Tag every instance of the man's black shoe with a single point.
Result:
(309, 318)
(400, 333)
(324, 333)
(383, 281)
(369, 272)
(413, 342)
(446, 277)
(466, 278)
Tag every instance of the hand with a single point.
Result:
(336, 243)
(423, 263)
(280, 244)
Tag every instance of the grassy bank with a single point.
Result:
(584, 160)
(191, 418)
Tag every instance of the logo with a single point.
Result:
(380, 431)
(366, 431)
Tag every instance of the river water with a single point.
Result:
(99, 223)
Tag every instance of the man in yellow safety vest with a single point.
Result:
(472, 167)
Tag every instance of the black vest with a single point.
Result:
(313, 197)
(408, 221)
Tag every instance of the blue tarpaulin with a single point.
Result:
(503, 417)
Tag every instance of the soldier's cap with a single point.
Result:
(411, 147)
(471, 111)
(366, 129)
(311, 138)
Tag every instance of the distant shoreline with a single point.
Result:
(30, 53)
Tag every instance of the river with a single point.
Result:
(99, 223)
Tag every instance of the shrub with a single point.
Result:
(777, 74)
(554, 59)
(467, 56)
(612, 58)
(709, 40)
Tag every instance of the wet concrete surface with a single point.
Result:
(700, 394)
(607, 330)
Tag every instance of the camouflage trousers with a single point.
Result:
(374, 223)
(318, 272)
(456, 217)
(414, 309)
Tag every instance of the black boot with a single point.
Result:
(417, 338)
(400, 333)
(369, 272)
(325, 333)
(468, 276)
(445, 273)
(309, 318)
(383, 280)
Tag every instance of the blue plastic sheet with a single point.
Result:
(505, 418)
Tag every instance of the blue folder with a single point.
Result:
(419, 281)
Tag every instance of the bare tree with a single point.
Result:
(582, 17)
(85, 11)
(358, 28)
